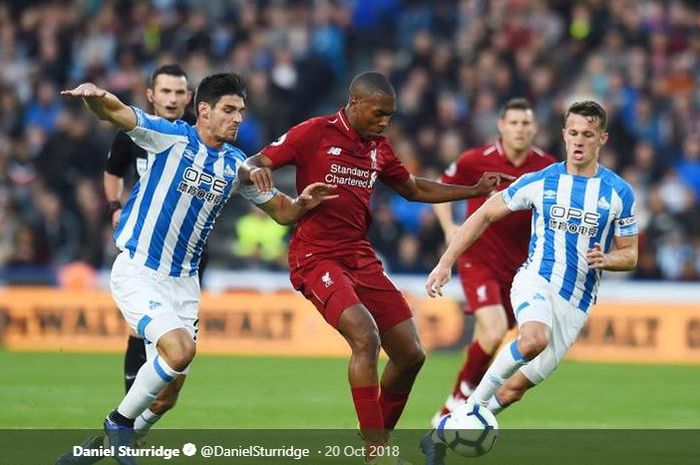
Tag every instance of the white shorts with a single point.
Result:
(534, 299)
(154, 303)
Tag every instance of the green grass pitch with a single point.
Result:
(67, 390)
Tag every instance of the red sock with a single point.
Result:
(369, 412)
(474, 368)
(392, 404)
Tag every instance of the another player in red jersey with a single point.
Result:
(488, 267)
(330, 257)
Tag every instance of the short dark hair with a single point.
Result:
(589, 109)
(172, 69)
(372, 82)
(215, 86)
(518, 103)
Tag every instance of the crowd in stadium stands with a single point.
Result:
(453, 64)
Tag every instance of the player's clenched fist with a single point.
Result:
(85, 90)
(596, 258)
(438, 277)
(262, 179)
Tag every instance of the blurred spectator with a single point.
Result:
(44, 111)
(57, 229)
(407, 260)
(91, 211)
(260, 240)
(689, 166)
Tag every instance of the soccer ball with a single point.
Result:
(470, 430)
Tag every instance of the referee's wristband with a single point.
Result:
(113, 206)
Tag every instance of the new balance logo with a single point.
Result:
(603, 204)
(334, 151)
(153, 304)
(327, 280)
(550, 194)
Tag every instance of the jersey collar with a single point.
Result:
(344, 124)
(502, 152)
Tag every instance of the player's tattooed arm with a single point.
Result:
(424, 190)
(257, 170)
(622, 257)
(491, 211)
(105, 105)
(285, 210)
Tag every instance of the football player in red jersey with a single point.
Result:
(331, 260)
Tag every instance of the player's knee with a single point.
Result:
(366, 342)
(532, 344)
(491, 338)
(180, 355)
(416, 360)
(413, 360)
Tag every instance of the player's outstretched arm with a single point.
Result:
(257, 170)
(285, 210)
(105, 105)
(424, 190)
(493, 210)
(622, 257)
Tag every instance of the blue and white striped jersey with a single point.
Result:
(570, 215)
(173, 206)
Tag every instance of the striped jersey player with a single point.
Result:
(572, 214)
(487, 269)
(583, 223)
(173, 206)
(167, 220)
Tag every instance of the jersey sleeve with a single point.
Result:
(521, 194)
(290, 148)
(393, 172)
(155, 134)
(121, 155)
(462, 171)
(625, 222)
(251, 193)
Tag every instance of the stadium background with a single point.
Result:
(453, 64)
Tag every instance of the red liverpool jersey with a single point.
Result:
(327, 149)
(503, 246)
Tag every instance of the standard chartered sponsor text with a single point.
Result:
(350, 176)
(254, 451)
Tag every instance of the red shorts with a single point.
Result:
(333, 284)
(482, 288)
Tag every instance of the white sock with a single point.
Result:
(153, 376)
(494, 405)
(147, 419)
(508, 360)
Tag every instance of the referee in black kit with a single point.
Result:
(168, 95)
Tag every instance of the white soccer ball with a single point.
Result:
(470, 430)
